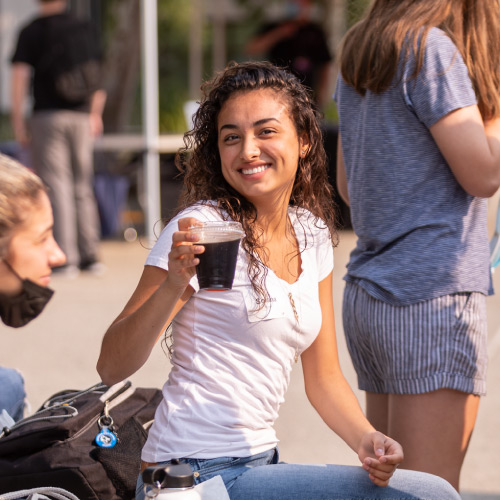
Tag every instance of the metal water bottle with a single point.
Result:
(174, 481)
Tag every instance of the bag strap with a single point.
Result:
(62, 402)
(70, 396)
(117, 390)
(48, 492)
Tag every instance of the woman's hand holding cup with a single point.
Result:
(182, 259)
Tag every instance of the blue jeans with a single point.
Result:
(261, 477)
(12, 393)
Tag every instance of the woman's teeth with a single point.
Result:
(255, 170)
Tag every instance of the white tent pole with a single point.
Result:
(150, 114)
(195, 49)
(219, 35)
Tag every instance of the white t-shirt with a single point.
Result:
(231, 365)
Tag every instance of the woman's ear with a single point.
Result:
(304, 145)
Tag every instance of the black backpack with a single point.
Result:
(71, 58)
(56, 446)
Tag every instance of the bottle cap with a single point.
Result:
(173, 475)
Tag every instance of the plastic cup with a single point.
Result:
(221, 240)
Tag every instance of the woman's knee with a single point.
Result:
(12, 393)
(423, 485)
(329, 482)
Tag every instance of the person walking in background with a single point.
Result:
(419, 153)
(257, 158)
(28, 252)
(299, 44)
(64, 56)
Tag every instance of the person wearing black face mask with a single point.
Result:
(28, 252)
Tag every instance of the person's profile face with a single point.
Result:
(32, 250)
(258, 145)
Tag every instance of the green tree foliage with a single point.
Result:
(355, 10)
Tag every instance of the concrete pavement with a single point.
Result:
(59, 350)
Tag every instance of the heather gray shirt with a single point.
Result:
(420, 235)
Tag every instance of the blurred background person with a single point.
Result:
(300, 44)
(63, 56)
(28, 252)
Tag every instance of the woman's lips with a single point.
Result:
(254, 170)
(45, 280)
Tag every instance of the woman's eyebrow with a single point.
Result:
(255, 124)
(46, 230)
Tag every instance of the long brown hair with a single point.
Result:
(200, 162)
(371, 49)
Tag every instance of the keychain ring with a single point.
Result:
(105, 421)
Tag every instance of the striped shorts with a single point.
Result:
(436, 344)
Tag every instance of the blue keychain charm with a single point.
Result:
(106, 438)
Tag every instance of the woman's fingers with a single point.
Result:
(185, 255)
(184, 236)
(186, 222)
(380, 456)
(379, 473)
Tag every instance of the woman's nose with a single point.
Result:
(56, 257)
(249, 149)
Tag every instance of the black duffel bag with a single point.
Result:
(88, 442)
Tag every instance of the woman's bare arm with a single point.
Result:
(159, 296)
(471, 148)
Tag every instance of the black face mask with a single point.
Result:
(19, 310)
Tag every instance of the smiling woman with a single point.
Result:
(255, 157)
(28, 252)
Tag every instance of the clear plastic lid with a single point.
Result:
(218, 231)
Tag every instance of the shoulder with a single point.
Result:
(29, 41)
(204, 210)
(439, 38)
(33, 27)
(306, 217)
(440, 49)
(68, 26)
(313, 27)
(307, 225)
(315, 241)
(443, 63)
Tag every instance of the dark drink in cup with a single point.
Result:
(217, 265)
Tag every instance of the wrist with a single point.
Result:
(365, 438)
(174, 286)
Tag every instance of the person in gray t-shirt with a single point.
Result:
(419, 153)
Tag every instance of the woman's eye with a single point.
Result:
(45, 237)
(230, 138)
(267, 131)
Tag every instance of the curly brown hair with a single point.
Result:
(200, 162)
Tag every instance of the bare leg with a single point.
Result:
(377, 411)
(434, 430)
